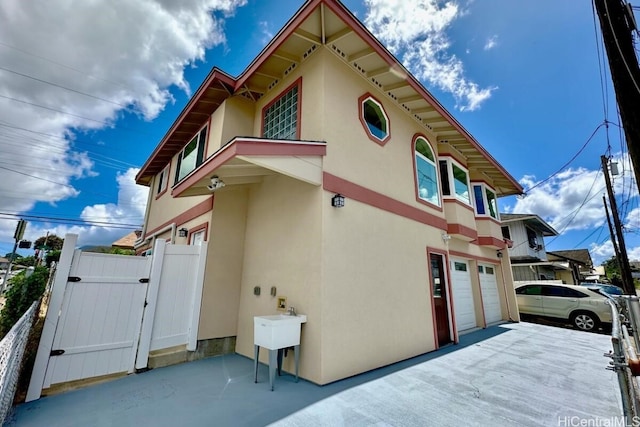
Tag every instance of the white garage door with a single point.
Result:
(465, 314)
(490, 297)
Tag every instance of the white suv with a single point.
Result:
(586, 309)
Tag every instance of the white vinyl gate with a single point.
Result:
(99, 324)
(106, 312)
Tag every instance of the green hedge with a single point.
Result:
(21, 294)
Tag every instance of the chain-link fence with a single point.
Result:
(11, 352)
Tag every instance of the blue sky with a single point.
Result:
(87, 90)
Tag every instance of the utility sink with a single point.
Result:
(278, 330)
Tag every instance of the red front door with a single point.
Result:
(439, 291)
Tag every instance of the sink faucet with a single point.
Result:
(292, 311)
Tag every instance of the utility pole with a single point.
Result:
(617, 23)
(625, 270)
(614, 242)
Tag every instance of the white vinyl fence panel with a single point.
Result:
(108, 311)
(179, 296)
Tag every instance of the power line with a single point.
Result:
(63, 87)
(67, 221)
(571, 160)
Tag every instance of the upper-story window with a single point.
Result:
(506, 233)
(163, 181)
(426, 173)
(191, 155)
(280, 118)
(532, 238)
(374, 119)
(485, 200)
(455, 180)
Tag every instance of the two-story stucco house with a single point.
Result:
(327, 172)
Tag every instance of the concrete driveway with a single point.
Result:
(511, 374)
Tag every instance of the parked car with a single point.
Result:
(585, 308)
(610, 289)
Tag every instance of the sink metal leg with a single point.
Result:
(256, 353)
(273, 362)
(296, 355)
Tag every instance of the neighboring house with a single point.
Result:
(128, 241)
(4, 263)
(527, 251)
(326, 177)
(531, 261)
(577, 262)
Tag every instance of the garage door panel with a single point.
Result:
(462, 295)
(490, 296)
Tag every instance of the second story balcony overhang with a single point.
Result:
(244, 161)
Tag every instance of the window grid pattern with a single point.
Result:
(281, 118)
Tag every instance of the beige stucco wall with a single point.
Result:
(376, 292)
(233, 118)
(359, 273)
(166, 208)
(283, 249)
(223, 275)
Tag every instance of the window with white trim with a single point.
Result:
(455, 180)
(191, 156)
(485, 200)
(280, 119)
(163, 180)
(197, 238)
(426, 172)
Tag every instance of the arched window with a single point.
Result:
(426, 172)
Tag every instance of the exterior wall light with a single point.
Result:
(337, 201)
(500, 254)
(183, 232)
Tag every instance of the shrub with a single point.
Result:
(22, 293)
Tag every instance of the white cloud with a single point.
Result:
(114, 56)
(572, 200)
(491, 42)
(416, 32)
(129, 209)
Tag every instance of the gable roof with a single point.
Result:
(328, 23)
(531, 220)
(581, 256)
(126, 242)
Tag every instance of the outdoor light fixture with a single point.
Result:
(183, 232)
(446, 237)
(500, 254)
(337, 201)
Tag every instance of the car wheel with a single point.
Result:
(585, 321)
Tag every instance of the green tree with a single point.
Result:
(52, 256)
(22, 292)
(15, 258)
(611, 268)
(54, 243)
(27, 261)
